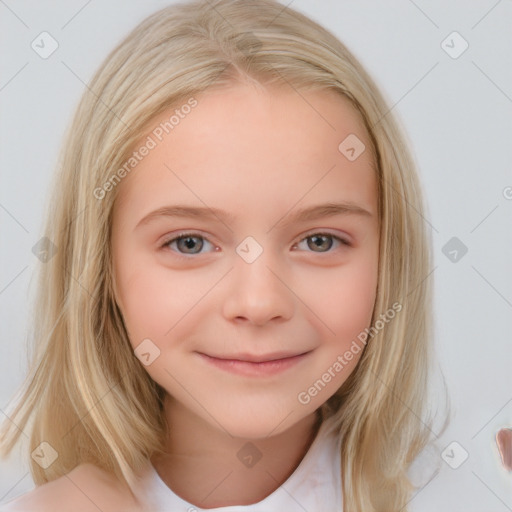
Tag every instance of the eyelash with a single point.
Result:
(166, 244)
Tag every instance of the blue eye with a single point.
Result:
(192, 243)
(319, 241)
(187, 242)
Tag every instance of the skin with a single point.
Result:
(260, 154)
(86, 488)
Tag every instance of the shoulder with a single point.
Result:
(84, 489)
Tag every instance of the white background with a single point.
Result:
(458, 117)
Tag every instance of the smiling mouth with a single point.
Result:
(247, 365)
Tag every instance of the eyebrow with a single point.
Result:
(302, 215)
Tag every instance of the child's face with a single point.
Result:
(260, 156)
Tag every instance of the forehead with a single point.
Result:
(255, 147)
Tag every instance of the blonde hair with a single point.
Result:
(87, 394)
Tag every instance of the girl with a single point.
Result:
(237, 315)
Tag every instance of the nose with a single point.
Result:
(258, 292)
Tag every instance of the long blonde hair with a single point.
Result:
(86, 393)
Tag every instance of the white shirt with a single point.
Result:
(314, 486)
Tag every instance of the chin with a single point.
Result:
(258, 424)
(254, 432)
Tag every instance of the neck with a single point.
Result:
(208, 467)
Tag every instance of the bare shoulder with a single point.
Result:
(85, 489)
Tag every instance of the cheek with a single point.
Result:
(344, 307)
(154, 299)
(344, 301)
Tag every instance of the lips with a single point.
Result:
(257, 358)
(252, 365)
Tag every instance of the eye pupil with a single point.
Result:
(320, 239)
(189, 242)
